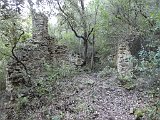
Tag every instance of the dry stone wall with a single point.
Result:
(124, 64)
(128, 48)
(33, 54)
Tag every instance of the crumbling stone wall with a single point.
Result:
(124, 64)
(33, 54)
(128, 47)
(39, 27)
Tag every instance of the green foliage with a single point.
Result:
(22, 102)
(63, 70)
(149, 64)
(103, 48)
(71, 41)
(149, 67)
(139, 113)
(153, 112)
(5, 39)
(107, 71)
(124, 80)
(43, 87)
(54, 72)
(25, 37)
(26, 23)
(10, 31)
(52, 31)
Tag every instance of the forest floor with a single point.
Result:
(88, 97)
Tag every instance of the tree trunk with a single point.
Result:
(93, 38)
(92, 57)
(85, 51)
(85, 34)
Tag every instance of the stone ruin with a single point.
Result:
(32, 56)
(42, 49)
(124, 65)
(128, 48)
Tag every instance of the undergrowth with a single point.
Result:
(44, 86)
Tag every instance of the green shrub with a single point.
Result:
(22, 102)
(124, 79)
(139, 113)
(107, 71)
(153, 112)
(149, 63)
(43, 87)
(54, 72)
(149, 67)
(63, 70)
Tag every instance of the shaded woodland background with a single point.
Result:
(89, 35)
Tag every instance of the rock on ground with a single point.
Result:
(87, 97)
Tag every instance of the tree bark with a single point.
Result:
(85, 51)
(93, 38)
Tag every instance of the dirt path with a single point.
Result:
(87, 97)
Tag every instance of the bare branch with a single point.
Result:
(90, 32)
(14, 55)
(146, 17)
(69, 23)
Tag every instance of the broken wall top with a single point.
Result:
(39, 27)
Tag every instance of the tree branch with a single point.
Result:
(90, 32)
(14, 55)
(146, 17)
(69, 23)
